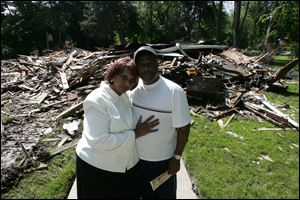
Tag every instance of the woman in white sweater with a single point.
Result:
(107, 164)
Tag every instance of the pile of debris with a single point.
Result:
(229, 82)
(42, 96)
(37, 93)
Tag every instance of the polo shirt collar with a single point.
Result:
(152, 86)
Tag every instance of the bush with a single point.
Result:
(7, 52)
(295, 49)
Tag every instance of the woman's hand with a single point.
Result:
(143, 128)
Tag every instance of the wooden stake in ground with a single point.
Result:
(231, 117)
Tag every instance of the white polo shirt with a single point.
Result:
(108, 139)
(167, 101)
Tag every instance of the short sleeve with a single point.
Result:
(180, 109)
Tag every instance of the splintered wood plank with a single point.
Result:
(64, 147)
(64, 80)
(38, 98)
(231, 117)
(70, 111)
(27, 87)
(279, 113)
(62, 141)
(275, 129)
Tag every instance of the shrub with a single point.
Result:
(295, 49)
(7, 52)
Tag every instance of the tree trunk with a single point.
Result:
(269, 29)
(236, 23)
(217, 15)
(268, 34)
(241, 27)
(271, 22)
(122, 38)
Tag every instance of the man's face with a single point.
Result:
(147, 67)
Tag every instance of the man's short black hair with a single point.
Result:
(144, 50)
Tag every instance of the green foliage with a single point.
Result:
(104, 20)
(287, 20)
(284, 26)
(167, 22)
(7, 52)
(117, 38)
(295, 49)
(89, 24)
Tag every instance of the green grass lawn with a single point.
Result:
(229, 167)
(281, 60)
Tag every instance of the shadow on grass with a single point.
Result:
(280, 63)
(282, 91)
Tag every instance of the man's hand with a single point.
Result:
(174, 166)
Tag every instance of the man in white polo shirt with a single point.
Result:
(160, 151)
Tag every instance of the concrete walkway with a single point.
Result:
(184, 185)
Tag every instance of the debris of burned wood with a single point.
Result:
(206, 88)
(225, 80)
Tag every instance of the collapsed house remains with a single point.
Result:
(40, 93)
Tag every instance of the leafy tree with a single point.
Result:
(34, 19)
(103, 19)
(287, 21)
(65, 23)
(270, 21)
(169, 21)
(102, 23)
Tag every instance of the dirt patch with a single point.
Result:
(18, 131)
(27, 131)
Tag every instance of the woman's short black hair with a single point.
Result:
(118, 67)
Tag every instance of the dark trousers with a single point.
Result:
(94, 183)
(153, 169)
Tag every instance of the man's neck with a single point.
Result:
(154, 80)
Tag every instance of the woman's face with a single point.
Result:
(123, 82)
